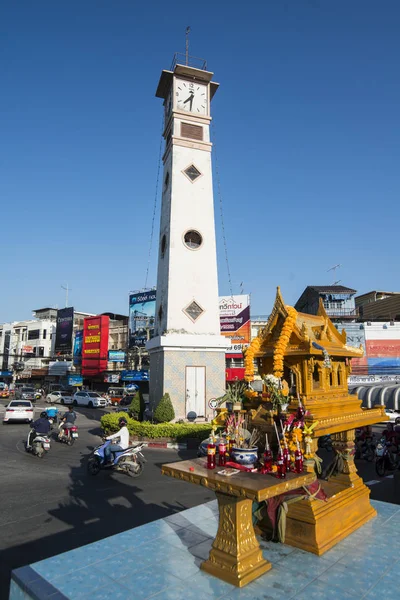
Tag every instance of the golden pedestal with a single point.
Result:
(318, 525)
(236, 556)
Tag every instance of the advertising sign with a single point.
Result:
(142, 310)
(95, 344)
(116, 356)
(112, 378)
(78, 347)
(75, 380)
(59, 367)
(135, 376)
(234, 313)
(64, 329)
(27, 349)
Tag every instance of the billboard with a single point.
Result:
(112, 378)
(95, 344)
(65, 326)
(135, 375)
(234, 314)
(116, 356)
(78, 347)
(142, 310)
(74, 380)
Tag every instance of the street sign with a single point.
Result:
(213, 403)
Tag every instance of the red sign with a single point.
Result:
(95, 345)
(234, 374)
(383, 348)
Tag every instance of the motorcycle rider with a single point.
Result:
(68, 419)
(52, 412)
(40, 426)
(122, 435)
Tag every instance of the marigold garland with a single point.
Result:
(249, 358)
(282, 343)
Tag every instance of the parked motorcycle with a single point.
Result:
(129, 461)
(67, 435)
(39, 445)
(385, 460)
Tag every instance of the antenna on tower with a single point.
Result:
(67, 289)
(187, 44)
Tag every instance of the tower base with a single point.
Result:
(190, 368)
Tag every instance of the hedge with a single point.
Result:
(177, 431)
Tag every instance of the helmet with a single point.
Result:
(122, 422)
(43, 414)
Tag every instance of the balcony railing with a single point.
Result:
(334, 311)
(190, 61)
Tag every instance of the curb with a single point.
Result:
(166, 445)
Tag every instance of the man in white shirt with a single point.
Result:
(122, 435)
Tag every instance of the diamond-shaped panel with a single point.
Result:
(194, 310)
(192, 172)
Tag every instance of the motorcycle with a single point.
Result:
(68, 435)
(385, 461)
(365, 449)
(325, 441)
(39, 445)
(38, 396)
(129, 461)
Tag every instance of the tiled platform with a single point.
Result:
(161, 561)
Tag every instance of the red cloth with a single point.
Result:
(274, 503)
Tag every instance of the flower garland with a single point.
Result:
(249, 358)
(283, 340)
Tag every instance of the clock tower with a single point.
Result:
(187, 354)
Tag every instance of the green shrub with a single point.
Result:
(176, 431)
(136, 407)
(164, 412)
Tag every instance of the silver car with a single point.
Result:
(26, 393)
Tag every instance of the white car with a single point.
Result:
(19, 410)
(394, 415)
(59, 397)
(90, 399)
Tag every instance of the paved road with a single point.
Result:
(51, 505)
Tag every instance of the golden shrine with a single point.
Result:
(312, 357)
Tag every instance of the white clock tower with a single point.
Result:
(187, 354)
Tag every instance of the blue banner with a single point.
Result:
(135, 376)
(5, 373)
(78, 347)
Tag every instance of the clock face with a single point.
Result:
(191, 97)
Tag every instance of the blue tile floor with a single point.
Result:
(161, 561)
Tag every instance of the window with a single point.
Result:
(33, 334)
(193, 239)
(163, 245)
(192, 173)
(339, 377)
(194, 311)
(44, 333)
(316, 383)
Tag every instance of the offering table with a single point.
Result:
(236, 556)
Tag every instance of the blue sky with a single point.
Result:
(307, 135)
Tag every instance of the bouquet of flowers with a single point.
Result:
(277, 393)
